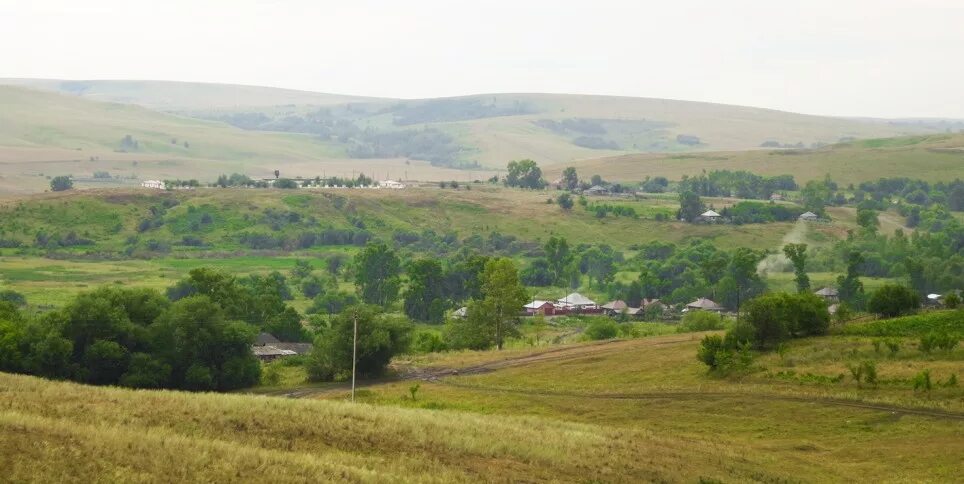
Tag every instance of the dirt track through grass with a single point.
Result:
(441, 376)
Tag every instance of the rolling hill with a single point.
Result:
(931, 157)
(171, 130)
(45, 134)
(176, 96)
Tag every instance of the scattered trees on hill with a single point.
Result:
(61, 183)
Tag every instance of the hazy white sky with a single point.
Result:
(841, 57)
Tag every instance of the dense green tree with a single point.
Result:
(334, 263)
(204, 349)
(570, 180)
(495, 317)
(777, 317)
(867, 219)
(376, 274)
(61, 183)
(302, 269)
(424, 298)
(559, 256)
(742, 280)
(380, 336)
(849, 288)
(105, 362)
(537, 274)
(503, 296)
(463, 277)
(892, 300)
(145, 371)
(797, 254)
(598, 265)
(332, 302)
(690, 206)
(524, 174)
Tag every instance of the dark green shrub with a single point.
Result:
(893, 300)
(700, 321)
(602, 329)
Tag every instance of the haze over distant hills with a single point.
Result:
(196, 130)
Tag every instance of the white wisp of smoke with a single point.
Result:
(778, 262)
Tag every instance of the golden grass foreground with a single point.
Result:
(56, 432)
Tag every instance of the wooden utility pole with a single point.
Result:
(354, 355)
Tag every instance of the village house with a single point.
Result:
(155, 184)
(710, 216)
(268, 348)
(596, 190)
(651, 303)
(545, 308)
(776, 197)
(809, 217)
(613, 308)
(395, 185)
(461, 312)
(578, 302)
(829, 295)
(704, 304)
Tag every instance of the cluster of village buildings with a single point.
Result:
(711, 216)
(269, 348)
(391, 184)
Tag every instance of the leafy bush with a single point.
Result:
(893, 300)
(602, 329)
(781, 316)
(700, 321)
(13, 297)
(428, 342)
(935, 340)
(952, 301)
(922, 381)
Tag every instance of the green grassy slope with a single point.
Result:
(790, 415)
(931, 157)
(109, 217)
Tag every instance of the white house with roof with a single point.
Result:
(809, 216)
(155, 184)
(710, 216)
(577, 301)
(396, 185)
